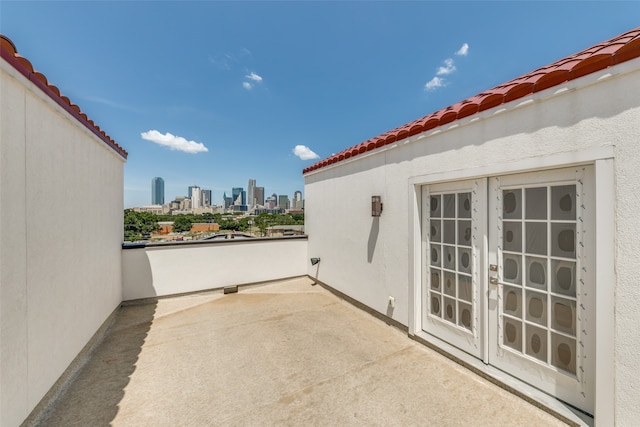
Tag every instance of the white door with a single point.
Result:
(542, 269)
(455, 224)
(529, 239)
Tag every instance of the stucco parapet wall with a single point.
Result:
(141, 245)
(10, 54)
(612, 52)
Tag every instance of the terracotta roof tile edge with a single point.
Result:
(10, 54)
(616, 50)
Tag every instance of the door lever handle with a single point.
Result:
(493, 280)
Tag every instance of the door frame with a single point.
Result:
(602, 159)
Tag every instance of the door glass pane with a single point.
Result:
(464, 260)
(449, 206)
(436, 281)
(465, 312)
(536, 273)
(537, 307)
(464, 233)
(464, 287)
(435, 230)
(449, 312)
(512, 301)
(449, 257)
(563, 353)
(435, 304)
(536, 201)
(536, 342)
(512, 269)
(563, 202)
(512, 204)
(435, 256)
(449, 285)
(563, 240)
(512, 236)
(563, 315)
(449, 231)
(536, 238)
(563, 277)
(435, 206)
(464, 205)
(512, 334)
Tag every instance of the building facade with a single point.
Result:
(157, 191)
(283, 202)
(58, 284)
(508, 231)
(297, 200)
(251, 190)
(259, 196)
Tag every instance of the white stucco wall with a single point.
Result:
(371, 259)
(61, 202)
(159, 270)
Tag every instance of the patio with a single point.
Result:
(285, 353)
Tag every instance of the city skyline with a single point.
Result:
(202, 195)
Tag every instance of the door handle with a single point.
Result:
(493, 280)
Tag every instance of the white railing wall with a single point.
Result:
(154, 270)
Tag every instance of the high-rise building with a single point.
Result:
(297, 200)
(206, 198)
(259, 196)
(236, 195)
(196, 197)
(283, 202)
(157, 191)
(251, 193)
(191, 190)
(226, 201)
(272, 201)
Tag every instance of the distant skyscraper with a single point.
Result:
(239, 196)
(226, 201)
(259, 195)
(297, 200)
(191, 190)
(196, 197)
(157, 191)
(272, 201)
(251, 193)
(206, 198)
(283, 202)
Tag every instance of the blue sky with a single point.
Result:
(214, 93)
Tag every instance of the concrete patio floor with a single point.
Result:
(286, 353)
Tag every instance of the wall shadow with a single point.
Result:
(373, 238)
(93, 396)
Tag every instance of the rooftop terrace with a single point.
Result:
(285, 353)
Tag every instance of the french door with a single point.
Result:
(508, 275)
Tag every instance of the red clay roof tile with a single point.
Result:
(614, 51)
(10, 54)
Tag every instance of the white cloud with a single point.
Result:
(253, 76)
(247, 85)
(463, 50)
(448, 68)
(174, 142)
(304, 152)
(434, 83)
